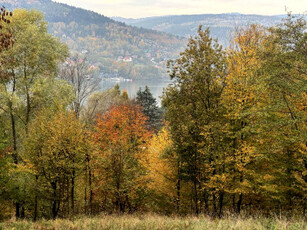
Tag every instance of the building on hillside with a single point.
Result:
(127, 59)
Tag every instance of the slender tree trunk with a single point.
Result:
(234, 203)
(85, 192)
(36, 200)
(206, 201)
(28, 112)
(239, 203)
(178, 186)
(214, 205)
(15, 156)
(68, 196)
(128, 202)
(17, 209)
(195, 185)
(195, 196)
(22, 212)
(73, 193)
(304, 208)
(91, 191)
(54, 202)
(221, 201)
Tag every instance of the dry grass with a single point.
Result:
(154, 222)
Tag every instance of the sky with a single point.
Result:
(148, 8)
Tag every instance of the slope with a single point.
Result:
(221, 25)
(116, 49)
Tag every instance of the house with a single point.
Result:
(127, 59)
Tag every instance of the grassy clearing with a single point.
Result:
(153, 222)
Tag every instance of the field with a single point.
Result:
(154, 222)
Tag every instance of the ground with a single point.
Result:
(154, 222)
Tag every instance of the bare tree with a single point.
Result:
(83, 77)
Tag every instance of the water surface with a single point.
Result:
(132, 87)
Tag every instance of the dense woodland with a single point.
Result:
(230, 136)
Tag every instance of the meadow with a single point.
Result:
(155, 222)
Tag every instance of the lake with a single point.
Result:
(132, 87)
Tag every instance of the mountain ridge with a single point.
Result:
(117, 49)
(221, 25)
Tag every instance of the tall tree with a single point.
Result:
(286, 84)
(242, 101)
(121, 138)
(193, 109)
(34, 56)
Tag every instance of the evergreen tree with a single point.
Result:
(149, 108)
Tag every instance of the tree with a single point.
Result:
(194, 109)
(149, 108)
(56, 148)
(162, 165)
(285, 68)
(121, 138)
(33, 58)
(242, 101)
(82, 76)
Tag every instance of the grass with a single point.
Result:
(154, 222)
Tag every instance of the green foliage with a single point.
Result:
(56, 149)
(149, 108)
(194, 110)
(234, 139)
(31, 65)
(241, 139)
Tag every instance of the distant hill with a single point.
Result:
(221, 25)
(117, 49)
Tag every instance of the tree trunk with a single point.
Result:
(22, 212)
(195, 185)
(73, 193)
(54, 202)
(234, 203)
(15, 156)
(239, 203)
(195, 197)
(214, 205)
(36, 200)
(221, 200)
(178, 187)
(17, 209)
(206, 201)
(91, 191)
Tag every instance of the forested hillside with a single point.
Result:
(116, 49)
(222, 26)
(230, 139)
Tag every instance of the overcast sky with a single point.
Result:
(147, 8)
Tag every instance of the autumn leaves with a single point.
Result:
(233, 137)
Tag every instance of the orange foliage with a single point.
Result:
(123, 125)
(121, 138)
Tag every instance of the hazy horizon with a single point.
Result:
(154, 8)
